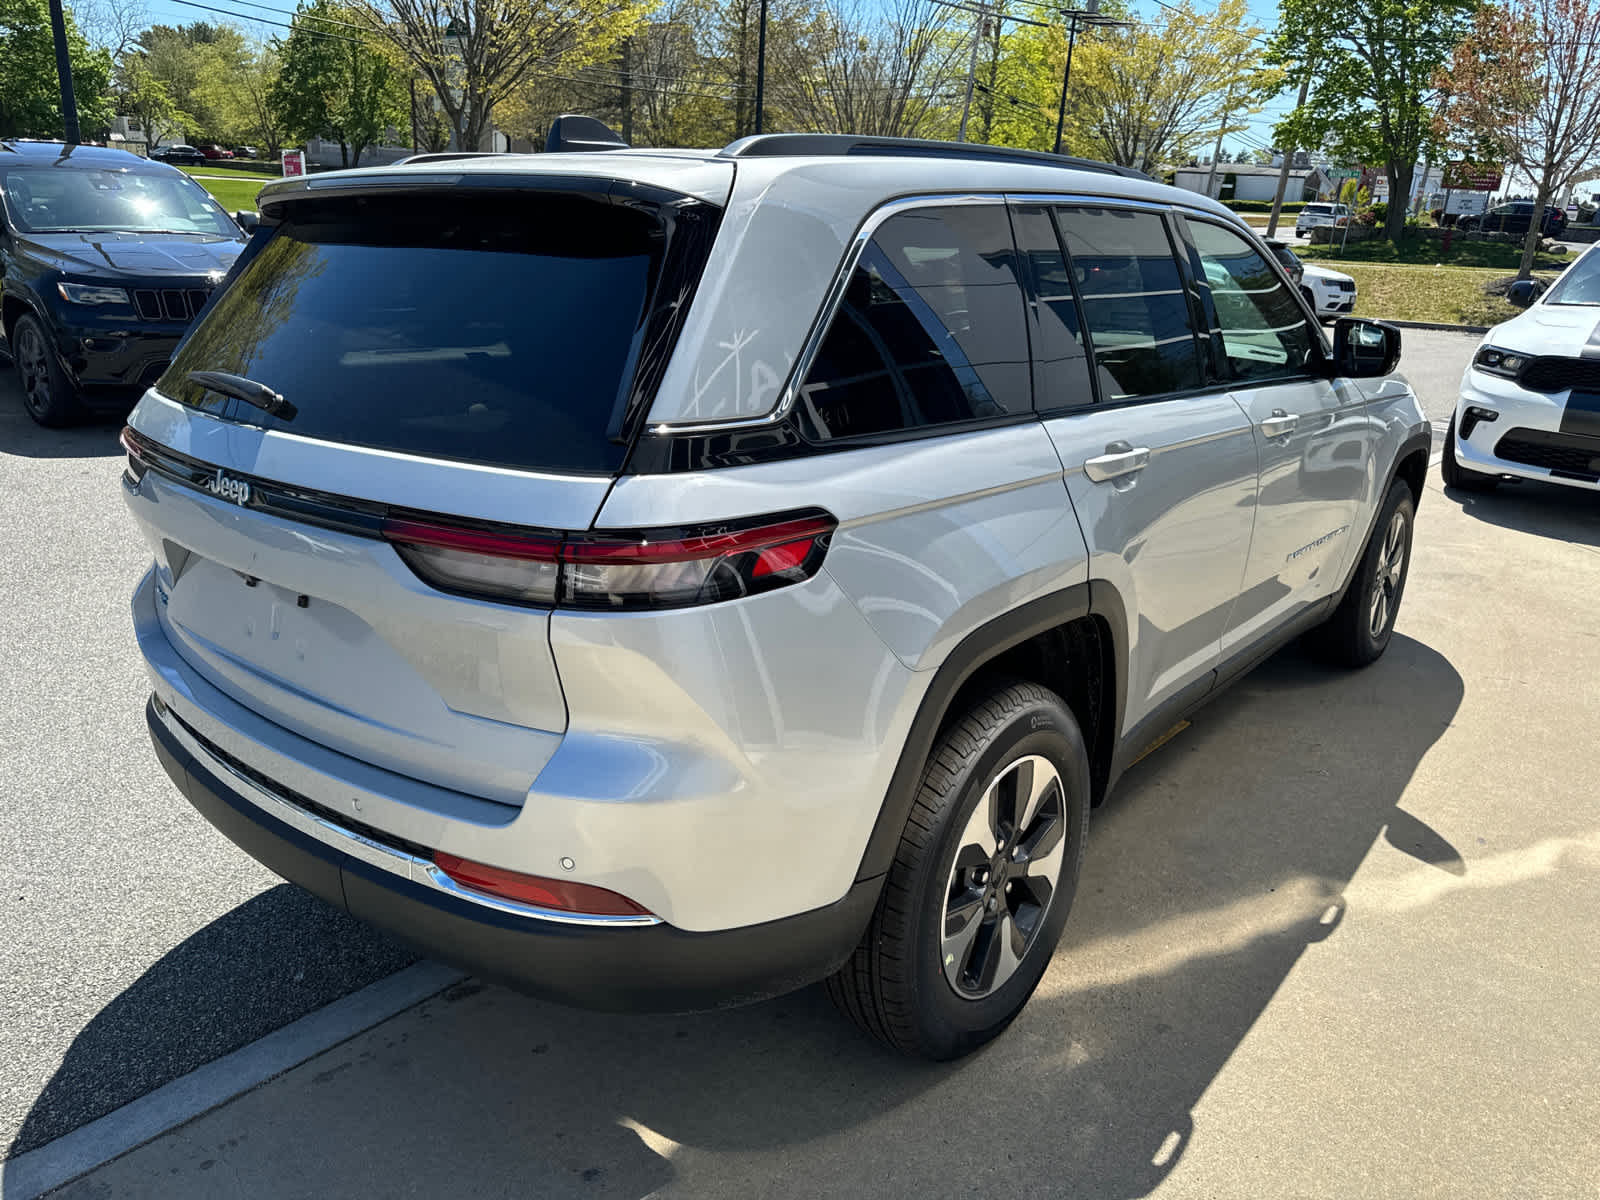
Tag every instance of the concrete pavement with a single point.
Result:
(1335, 939)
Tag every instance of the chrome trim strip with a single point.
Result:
(397, 862)
(841, 281)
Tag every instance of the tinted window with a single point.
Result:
(495, 329)
(930, 329)
(46, 199)
(1133, 300)
(1262, 328)
(1060, 362)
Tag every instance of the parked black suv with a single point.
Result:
(1515, 218)
(105, 259)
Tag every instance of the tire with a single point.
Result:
(939, 997)
(1359, 630)
(1457, 476)
(46, 393)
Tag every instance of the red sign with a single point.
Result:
(294, 163)
(1468, 176)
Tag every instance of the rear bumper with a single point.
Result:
(652, 968)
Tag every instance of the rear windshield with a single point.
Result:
(495, 328)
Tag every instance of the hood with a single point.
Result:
(135, 255)
(1313, 272)
(1558, 329)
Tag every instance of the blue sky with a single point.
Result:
(171, 12)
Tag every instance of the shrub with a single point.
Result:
(1264, 206)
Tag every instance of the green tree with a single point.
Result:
(1371, 68)
(1526, 83)
(30, 93)
(335, 82)
(143, 95)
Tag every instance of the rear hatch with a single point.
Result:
(475, 357)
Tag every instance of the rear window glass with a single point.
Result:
(497, 329)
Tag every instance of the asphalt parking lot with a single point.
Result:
(1335, 939)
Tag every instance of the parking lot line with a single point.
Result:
(97, 1143)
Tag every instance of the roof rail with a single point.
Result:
(767, 145)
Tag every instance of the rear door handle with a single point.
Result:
(1119, 459)
(1279, 424)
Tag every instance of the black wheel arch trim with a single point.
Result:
(980, 647)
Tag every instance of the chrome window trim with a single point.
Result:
(790, 395)
(397, 862)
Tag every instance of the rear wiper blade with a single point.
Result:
(248, 390)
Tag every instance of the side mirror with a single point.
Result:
(247, 220)
(1522, 293)
(1365, 349)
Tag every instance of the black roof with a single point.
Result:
(103, 157)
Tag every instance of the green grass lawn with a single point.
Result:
(235, 170)
(1428, 251)
(233, 194)
(1447, 295)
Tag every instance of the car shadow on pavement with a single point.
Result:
(276, 957)
(1564, 514)
(93, 437)
(1220, 863)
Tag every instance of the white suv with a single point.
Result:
(1530, 400)
(663, 579)
(1313, 215)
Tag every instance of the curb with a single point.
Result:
(1434, 325)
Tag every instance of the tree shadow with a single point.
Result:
(1563, 514)
(1221, 859)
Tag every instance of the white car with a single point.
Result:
(1530, 400)
(1330, 293)
(1313, 215)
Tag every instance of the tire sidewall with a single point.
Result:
(1047, 729)
(58, 408)
(1399, 499)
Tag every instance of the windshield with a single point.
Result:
(1580, 285)
(51, 199)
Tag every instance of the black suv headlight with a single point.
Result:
(91, 293)
(1506, 363)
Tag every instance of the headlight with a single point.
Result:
(1500, 362)
(89, 293)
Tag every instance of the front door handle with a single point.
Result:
(1119, 459)
(1279, 424)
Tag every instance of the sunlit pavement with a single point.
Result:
(1335, 939)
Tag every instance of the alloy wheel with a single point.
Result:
(1391, 570)
(34, 368)
(1004, 877)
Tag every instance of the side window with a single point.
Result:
(1060, 361)
(1133, 301)
(1263, 330)
(931, 329)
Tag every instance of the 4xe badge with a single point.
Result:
(229, 488)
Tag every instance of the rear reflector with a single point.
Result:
(559, 895)
(647, 569)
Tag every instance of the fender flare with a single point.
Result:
(971, 654)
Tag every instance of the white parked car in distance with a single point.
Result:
(1330, 293)
(1313, 215)
(1530, 400)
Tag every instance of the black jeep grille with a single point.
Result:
(170, 304)
(1564, 452)
(1553, 374)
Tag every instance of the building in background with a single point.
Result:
(1243, 181)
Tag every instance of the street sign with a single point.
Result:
(1468, 176)
(294, 163)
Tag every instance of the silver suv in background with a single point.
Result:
(663, 579)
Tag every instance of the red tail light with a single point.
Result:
(559, 894)
(648, 569)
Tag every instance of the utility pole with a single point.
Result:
(761, 67)
(413, 114)
(1087, 16)
(627, 90)
(972, 70)
(69, 105)
(1211, 175)
(1288, 159)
